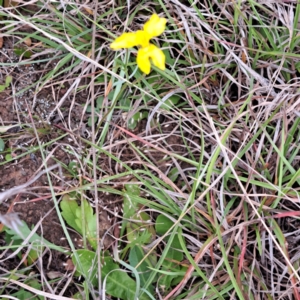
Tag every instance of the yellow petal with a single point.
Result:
(143, 38)
(125, 40)
(150, 52)
(157, 56)
(155, 26)
(143, 60)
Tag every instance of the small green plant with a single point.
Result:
(116, 281)
(37, 243)
(141, 262)
(81, 218)
(23, 52)
(140, 232)
(8, 80)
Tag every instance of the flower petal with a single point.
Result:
(143, 60)
(126, 40)
(155, 26)
(143, 38)
(157, 56)
(150, 52)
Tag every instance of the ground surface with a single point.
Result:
(37, 207)
(192, 172)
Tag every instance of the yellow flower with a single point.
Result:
(155, 26)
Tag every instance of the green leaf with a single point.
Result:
(90, 121)
(170, 103)
(136, 257)
(8, 80)
(92, 231)
(88, 220)
(130, 207)
(87, 265)
(162, 224)
(38, 241)
(73, 169)
(69, 207)
(81, 218)
(132, 189)
(125, 104)
(34, 253)
(141, 227)
(169, 59)
(135, 237)
(2, 145)
(78, 296)
(173, 174)
(98, 103)
(137, 117)
(170, 264)
(22, 294)
(173, 257)
(117, 282)
(8, 157)
(22, 51)
(32, 256)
